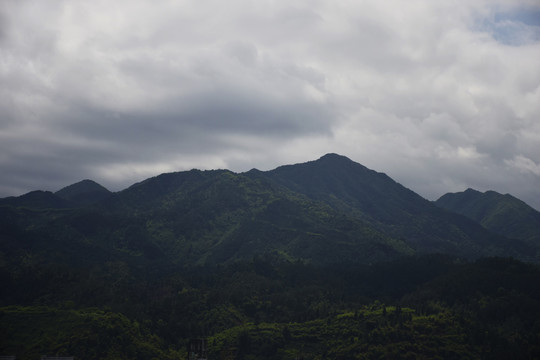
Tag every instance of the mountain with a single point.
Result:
(324, 211)
(390, 207)
(83, 193)
(36, 200)
(322, 259)
(80, 194)
(219, 216)
(503, 214)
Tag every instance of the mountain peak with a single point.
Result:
(84, 192)
(503, 214)
(334, 157)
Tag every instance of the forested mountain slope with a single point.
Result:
(325, 258)
(503, 214)
(324, 211)
(390, 207)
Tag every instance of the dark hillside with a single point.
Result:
(323, 211)
(84, 193)
(502, 214)
(390, 207)
(318, 260)
(219, 216)
(37, 200)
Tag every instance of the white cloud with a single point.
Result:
(524, 165)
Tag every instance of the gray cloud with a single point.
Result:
(440, 95)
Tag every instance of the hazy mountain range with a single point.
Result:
(324, 211)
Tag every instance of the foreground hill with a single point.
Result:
(415, 308)
(503, 214)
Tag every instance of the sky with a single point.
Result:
(440, 95)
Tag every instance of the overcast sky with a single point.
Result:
(440, 95)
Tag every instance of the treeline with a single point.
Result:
(429, 306)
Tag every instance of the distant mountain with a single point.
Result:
(503, 214)
(80, 194)
(390, 207)
(219, 216)
(36, 200)
(325, 211)
(83, 193)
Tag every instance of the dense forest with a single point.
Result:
(321, 260)
(417, 307)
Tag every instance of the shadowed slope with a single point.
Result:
(503, 214)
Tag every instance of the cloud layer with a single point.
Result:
(440, 95)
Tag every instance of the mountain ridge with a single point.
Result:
(320, 211)
(37, 199)
(79, 194)
(388, 205)
(503, 214)
(326, 258)
(83, 193)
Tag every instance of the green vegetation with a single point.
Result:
(427, 307)
(371, 332)
(33, 331)
(323, 260)
(503, 214)
(326, 211)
